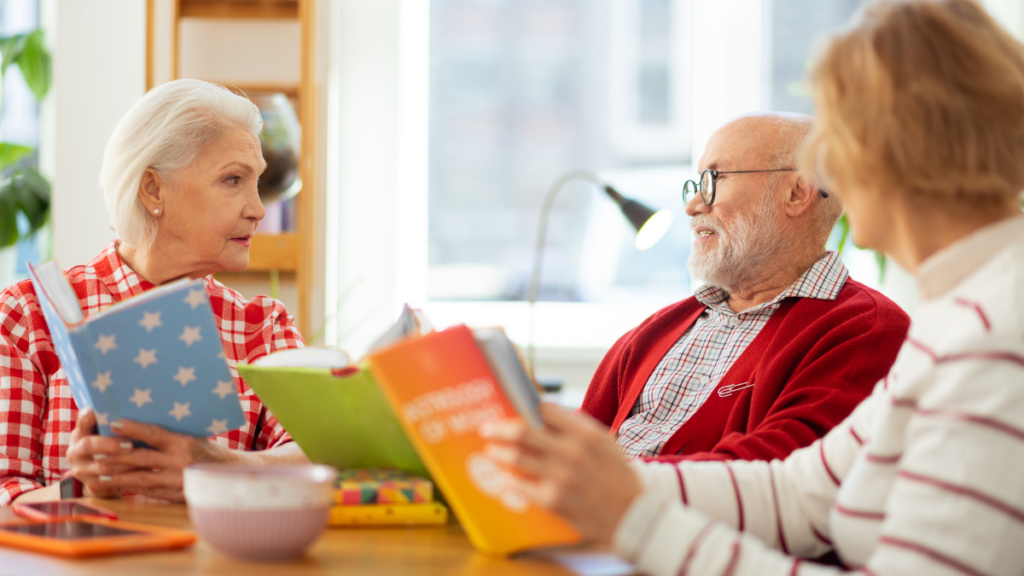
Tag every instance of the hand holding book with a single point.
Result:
(573, 467)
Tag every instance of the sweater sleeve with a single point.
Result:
(837, 375)
(955, 505)
(741, 517)
(602, 399)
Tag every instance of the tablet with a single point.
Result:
(60, 509)
(78, 537)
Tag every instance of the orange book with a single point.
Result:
(442, 388)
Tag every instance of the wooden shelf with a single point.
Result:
(289, 90)
(274, 252)
(293, 255)
(239, 8)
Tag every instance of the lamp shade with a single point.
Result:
(649, 224)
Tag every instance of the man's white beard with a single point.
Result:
(742, 255)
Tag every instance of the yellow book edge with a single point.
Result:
(427, 514)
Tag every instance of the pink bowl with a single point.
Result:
(259, 512)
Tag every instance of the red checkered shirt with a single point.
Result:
(699, 360)
(37, 412)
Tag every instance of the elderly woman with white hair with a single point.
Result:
(179, 176)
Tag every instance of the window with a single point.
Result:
(496, 99)
(19, 124)
(522, 92)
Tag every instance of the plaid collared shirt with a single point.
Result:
(37, 412)
(698, 361)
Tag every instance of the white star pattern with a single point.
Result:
(102, 381)
(140, 397)
(101, 419)
(190, 335)
(106, 343)
(185, 375)
(224, 389)
(180, 411)
(218, 427)
(150, 320)
(195, 298)
(146, 357)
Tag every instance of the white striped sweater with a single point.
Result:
(925, 477)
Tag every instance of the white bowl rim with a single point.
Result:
(315, 473)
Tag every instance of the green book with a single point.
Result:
(338, 416)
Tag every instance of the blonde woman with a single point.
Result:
(179, 177)
(921, 133)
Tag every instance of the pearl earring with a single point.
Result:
(156, 211)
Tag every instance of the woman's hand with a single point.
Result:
(109, 466)
(574, 468)
(90, 456)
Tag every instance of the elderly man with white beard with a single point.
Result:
(779, 345)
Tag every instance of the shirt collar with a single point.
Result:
(120, 280)
(821, 281)
(941, 271)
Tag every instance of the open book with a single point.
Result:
(415, 403)
(155, 358)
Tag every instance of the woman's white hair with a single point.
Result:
(165, 130)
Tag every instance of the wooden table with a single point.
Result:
(379, 551)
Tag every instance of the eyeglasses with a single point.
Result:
(709, 179)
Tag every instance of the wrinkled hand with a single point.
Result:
(109, 466)
(572, 467)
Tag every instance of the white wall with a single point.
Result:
(363, 168)
(99, 71)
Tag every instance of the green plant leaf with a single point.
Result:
(34, 62)
(11, 153)
(844, 225)
(8, 220)
(882, 261)
(11, 48)
(32, 195)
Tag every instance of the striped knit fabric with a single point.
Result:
(696, 363)
(925, 477)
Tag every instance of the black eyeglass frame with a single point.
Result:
(691, 188)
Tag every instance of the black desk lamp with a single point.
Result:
(650, 226)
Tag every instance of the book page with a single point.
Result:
(304, 358)
(59, 291)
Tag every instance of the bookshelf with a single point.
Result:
(286, 257)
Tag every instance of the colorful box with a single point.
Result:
(429, 514)
(381, 486)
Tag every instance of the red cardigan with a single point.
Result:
(807, 369)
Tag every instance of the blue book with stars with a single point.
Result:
(155, 358)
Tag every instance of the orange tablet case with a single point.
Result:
(144, 538)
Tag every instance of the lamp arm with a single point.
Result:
(538, 254)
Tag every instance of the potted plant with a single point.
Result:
(24, 192)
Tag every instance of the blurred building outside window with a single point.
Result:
(521, 92)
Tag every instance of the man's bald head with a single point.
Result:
(760, 220)
(773, 140)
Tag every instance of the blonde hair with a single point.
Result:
(165, 130)
(925, 97)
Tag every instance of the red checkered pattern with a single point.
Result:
(37, 412)
(695, 364)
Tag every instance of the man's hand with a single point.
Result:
(109, 466)
(573, 467)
